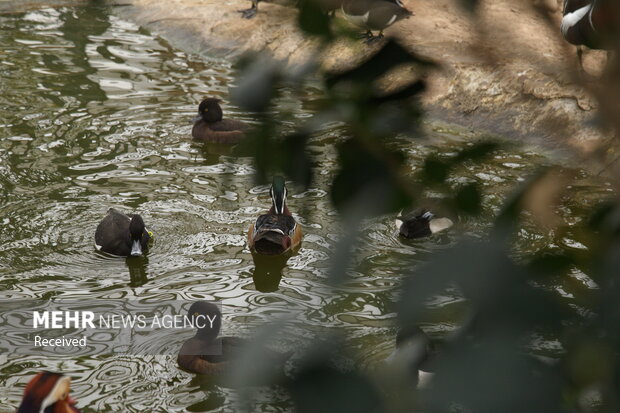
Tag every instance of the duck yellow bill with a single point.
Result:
(136, 249)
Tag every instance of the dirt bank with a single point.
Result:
(526, 90)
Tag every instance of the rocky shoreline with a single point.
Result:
(505, 71)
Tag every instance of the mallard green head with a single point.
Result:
(278, 194)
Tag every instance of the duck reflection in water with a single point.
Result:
(268, 271)
(137, 271)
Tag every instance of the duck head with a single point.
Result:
(136, 229)
(48, 393)
(208, 319)
(209, 110)
(278, 195)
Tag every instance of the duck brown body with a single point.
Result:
(210, 355)
(210, 126)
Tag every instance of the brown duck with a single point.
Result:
(208, 354)
(209, 125)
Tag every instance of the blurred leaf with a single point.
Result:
(413, 89)
(257, 82)
(369, 177)
(468, 199)
(470, 5)
(550, 263)
(543, 196)
(296, 162)
(493, 284)
(320, 386)
(606, 218)
(274, 155)
(257, 363)
(392, 54)
(434, 170)
(477, 151)
(490, 374)
(508, 217)
(313, 20)
(341, 259)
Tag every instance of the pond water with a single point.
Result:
(94, 114)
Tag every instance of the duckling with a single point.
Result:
(209, 125)
(275, 232)
(374, 15)
(415, 350)
(588, 23)
(48, 393)
(122, 235)
(207, 354)
(421, 223)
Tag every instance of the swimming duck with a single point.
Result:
(590, 23)
(207, 354)
(374, 15)
(415, 350)
(275, 232)
(421, 223)
(48, 393)
(209, 125)
(122, 235)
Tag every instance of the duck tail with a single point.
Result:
(272, 242)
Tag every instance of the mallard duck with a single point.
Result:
(207, 354)
(421, 223)
(122, 235)
(374, 15)
(210, 126)
(48, 393)
(590, 23)
(415, 350)
(275, 232)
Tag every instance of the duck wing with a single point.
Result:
(112, 233)
(284, 224)
(273, 234)
(385, 14)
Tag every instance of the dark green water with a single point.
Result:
(94, 114)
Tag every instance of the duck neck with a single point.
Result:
(285, 210)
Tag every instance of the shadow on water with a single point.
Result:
(268, 271)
